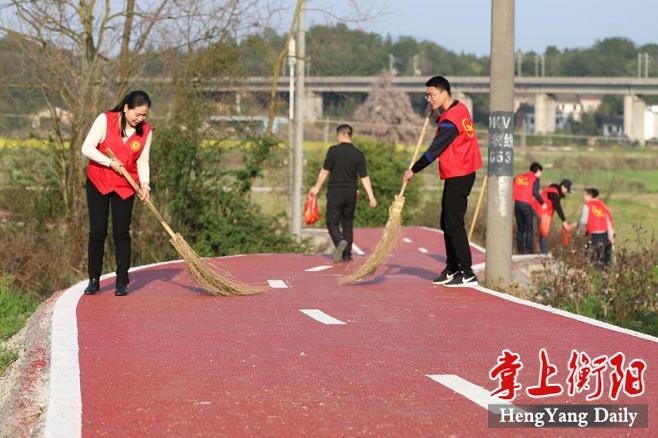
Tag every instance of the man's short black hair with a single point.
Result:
(345, 130)
(592, 192)
(439, 82)
(536, 167)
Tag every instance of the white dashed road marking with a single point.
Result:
(322, 317)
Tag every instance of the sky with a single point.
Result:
(465, 25)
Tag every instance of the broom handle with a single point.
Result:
(146, 201)
(420, 142)
(477, 207)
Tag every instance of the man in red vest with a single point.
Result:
(597, 222)
(526, 191)
(457, 146)
(552, 195)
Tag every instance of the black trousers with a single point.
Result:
(453, 209)
(601, 250)
(99, 206)
(525, 217)
(341, 205)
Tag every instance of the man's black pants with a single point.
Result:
(601, 250)
(99, 206)
(453, 210)
(525, 216)
(341, 204)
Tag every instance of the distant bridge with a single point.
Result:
(464, 84)
(544, 92)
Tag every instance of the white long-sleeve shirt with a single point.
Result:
(96, 136)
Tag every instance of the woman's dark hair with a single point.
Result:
(133, 100)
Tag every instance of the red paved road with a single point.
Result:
(170, 361)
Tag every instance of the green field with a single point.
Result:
(626, 177)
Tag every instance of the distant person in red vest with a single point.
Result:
(552, 195)
(597, 223)
(456, 146)
(526, 191)
(124, 130)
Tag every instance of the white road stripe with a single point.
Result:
(423, 250)
(357, 250)
(407, 240)
(319, 315)
(64, 413)
(277, 284)
(471, 391)
(318, 268)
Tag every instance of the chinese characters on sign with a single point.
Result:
(585, 374)
(501, 143)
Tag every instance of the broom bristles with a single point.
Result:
(204, 274)
(385, 245)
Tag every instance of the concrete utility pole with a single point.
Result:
(501, 145)
(292, 60)
(298, 167)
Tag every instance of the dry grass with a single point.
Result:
(385, 245)
(204, 274)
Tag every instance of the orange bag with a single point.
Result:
(545, 225)
(311, 210)
(565, 236)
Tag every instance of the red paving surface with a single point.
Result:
(170, 361)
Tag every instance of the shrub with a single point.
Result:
(385, 168)
(626, 293)
(36, 256)
(206, 194)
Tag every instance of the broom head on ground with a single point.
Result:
(200, 269)
(385, 245)
(392, 229)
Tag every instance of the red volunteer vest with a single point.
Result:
(104, 178)
(522, 187)
(599, 215)
(549, 205)
(462, 157)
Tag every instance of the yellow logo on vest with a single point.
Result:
(468, 128)
(597, 211)
(522, 180)
(135, 145)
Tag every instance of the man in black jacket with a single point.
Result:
(342, 165)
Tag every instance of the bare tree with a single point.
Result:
(352, 11)
(86, 53)
(387, 114)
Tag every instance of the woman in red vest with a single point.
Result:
(597, 222)
(552, 195)
(124, 130)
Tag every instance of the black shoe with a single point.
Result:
(121, 290)
(445, 276)
(340, 250)
(463, 279)
(93, 286)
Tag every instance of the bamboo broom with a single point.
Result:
(393, 226)
(200, 268)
